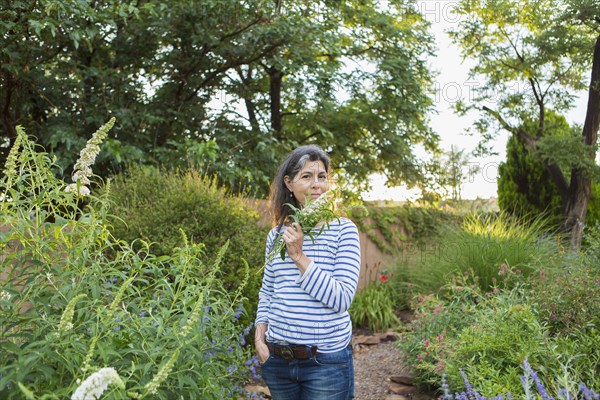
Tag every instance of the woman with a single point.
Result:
(303, 330)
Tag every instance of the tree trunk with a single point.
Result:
(250, 107)
(5, 118)
(276, 78)
(580, 187)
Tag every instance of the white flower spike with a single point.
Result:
(93, 387)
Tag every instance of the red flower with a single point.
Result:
(383, 278)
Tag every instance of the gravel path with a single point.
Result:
(373, 367)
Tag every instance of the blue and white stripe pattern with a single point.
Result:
(312, 309)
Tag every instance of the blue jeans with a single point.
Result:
(324, 376)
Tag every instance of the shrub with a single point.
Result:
(437, 320)
(373, 306)
(158, 205)
(490, 351)
(591, 242)
(76, 303)
(568, 298)
(487, 336)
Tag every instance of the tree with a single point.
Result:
(524, 183)
(532, 56)
(231, 85)
(449, 170)
(459, 168)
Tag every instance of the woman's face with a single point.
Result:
(311, 181)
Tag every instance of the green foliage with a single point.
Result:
(483, 248)
(450, 170)
(393, 228)
(73, 300)
(524, 184)
(487, 336)
(157, 206)
(497, 291)
(491, 351)
(425, 345)
(518, 49)
(568, 298)
(532, 388)
(373, 307)
(530, 57)
(510, 331)
(591, 243)
(592, 218)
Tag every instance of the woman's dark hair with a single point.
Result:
(280, 194)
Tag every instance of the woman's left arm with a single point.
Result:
(336, 290)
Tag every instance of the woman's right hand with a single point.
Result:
(260, 343)
(262, 351)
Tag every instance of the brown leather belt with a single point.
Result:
(288, 352)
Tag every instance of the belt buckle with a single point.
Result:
(287, 353)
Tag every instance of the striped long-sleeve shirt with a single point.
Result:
(312, 309)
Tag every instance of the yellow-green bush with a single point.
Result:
(157, 206)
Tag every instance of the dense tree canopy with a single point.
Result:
(532, 56)
(229, 84)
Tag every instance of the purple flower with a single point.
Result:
(253, 360)
(471, 394)
(564, 393)
(588, 394)
(445, 389)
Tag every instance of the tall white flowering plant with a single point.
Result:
(82, 171)
(85, 316)
(94, 386)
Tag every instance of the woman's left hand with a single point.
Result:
(293, 237)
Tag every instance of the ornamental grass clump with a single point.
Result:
(480, 246)
(85, 315)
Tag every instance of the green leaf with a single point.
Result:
(26, 392)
